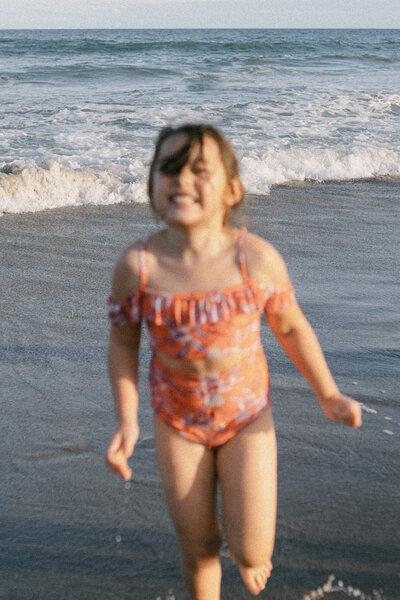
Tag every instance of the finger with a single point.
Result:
(115, 444)
(357, 417)
(112, 462)
(354, 413)
(353, 418)
(122, 468)
(126, 472)
(119, 466)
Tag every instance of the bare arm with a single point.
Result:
(300, 343)
(297, 337)
(123, 352)
(123, 356)
(123, 371)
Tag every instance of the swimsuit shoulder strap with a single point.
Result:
(241, 255)
(143, 271)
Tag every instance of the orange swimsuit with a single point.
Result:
(209, 408)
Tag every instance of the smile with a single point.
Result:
(186, 200)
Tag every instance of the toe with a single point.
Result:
(261, 581)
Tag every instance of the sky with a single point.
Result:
(82, 14)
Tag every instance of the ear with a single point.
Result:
(235, 191)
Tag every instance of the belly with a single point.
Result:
(203, 366)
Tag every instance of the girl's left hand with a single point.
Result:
(342, 409)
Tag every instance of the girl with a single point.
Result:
(201, 285)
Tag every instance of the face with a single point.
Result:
(200, 192)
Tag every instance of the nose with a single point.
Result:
(185, 175)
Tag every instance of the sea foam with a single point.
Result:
(293, 165)
(32, 189)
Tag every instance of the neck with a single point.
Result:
(194, 241)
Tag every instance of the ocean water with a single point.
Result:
(81, 109)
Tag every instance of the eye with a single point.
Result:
(200, 169)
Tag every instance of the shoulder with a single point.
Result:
(126, 275)
(264, 263)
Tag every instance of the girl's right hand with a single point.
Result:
(121, 448)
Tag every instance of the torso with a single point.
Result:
(199, 332)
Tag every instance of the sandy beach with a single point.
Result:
(69, 529)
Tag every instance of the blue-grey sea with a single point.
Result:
(81, 108)
(314, 116)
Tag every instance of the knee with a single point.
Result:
(201, 547)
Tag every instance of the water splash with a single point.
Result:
(332, 587)
(169, 596)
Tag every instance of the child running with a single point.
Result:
(202, 285)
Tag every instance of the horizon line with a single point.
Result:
(195, 28)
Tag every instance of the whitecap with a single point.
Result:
(284, 165)
(33, 188)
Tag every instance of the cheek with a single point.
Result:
(220, 191)
(156, 200)
(159, 188)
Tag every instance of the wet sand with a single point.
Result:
(69, 529)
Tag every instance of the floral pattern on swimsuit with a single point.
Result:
(210, 408)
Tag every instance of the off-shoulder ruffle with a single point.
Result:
(163, 308)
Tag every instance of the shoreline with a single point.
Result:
(289, 187)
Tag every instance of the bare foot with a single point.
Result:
(255, 578)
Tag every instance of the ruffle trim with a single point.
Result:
(163, 308)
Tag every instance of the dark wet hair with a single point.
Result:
(195, 133)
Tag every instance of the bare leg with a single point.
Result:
(188, 472)
(247, 471)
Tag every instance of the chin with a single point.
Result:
(180, 219)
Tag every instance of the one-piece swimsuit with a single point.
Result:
(207, 408)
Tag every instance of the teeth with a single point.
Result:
(183, 199)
